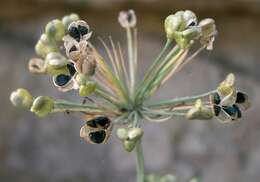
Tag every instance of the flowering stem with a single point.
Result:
(139, 161)
(138, 150)
(131, 59)
(157, 60)
(63, 105)
(172, 55)
(182, 100)
(151, 69)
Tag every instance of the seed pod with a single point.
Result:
(227, 90)
(122, 133)
(37, 66)
(56, 64)
(209, 32)
(189, 18)
(182, 27)
(129, 145)
(42, 106)
(79, 30)
(199, 111)
(135, 134)
(55, 29)
(67, 20)
(172, 24)
(242, 100)
(96, 130)
(208, 27)
(127, 19)
(21, 98)
(45, 46)
(56, 60)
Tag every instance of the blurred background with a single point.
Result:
(50, 150)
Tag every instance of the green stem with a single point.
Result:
(63, 105)
(139, 161)
(151, 70)
(138, 151)
(145, 89)
(182, 100)
(131, 60)
(157, 60)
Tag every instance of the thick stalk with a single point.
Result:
(139, 161)
(138, 151)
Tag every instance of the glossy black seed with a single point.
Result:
(230, 110)
(74, 32)
(62, 79)
(71, 69)
(92, 123)
(239, 114)
(73, 48)
(241, 98)
(83, 30)
(98, 136)
(103, 121)
(192, 24)
(217, 98)
(217, 110)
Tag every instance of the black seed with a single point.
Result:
(74, 32)
(230, 110)
(239, 114)
(71, 68)
(241, 97)
(217, 110)
(98, 136)
(91, 123)
(103, 121)
(192, 24)
(83, 30)
(73, 48)
(217, 98)
(62, 79)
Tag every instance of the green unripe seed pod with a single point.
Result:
(56, 64)
(21, 98)
(45, 46)
(42, 106)
(122, 133)
(66, 20)
(52, 71)
(135, 134)
(199, 111)
(172, 24)
(129, 145)
(189, 18)
(56, 60)
(55, 29)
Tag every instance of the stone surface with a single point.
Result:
(49, 149)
